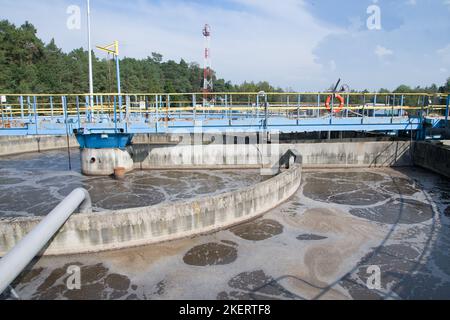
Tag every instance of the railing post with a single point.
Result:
(226, 106)
(77, 99)
(157, 112)
(161, 106)
(87, 98)
(348, 105)
(101, 104)
(63, 106)
(392, 110)
(194, 104)
(447, 111)
(51, 107)
(35, 114)
(257, 106)
(96, 103)
(65, 113)
(28, 108)
(21, 108)
(332, 112)
(364, 104)
(3, 117)
(119, 103)
(266, 113)
(288, 102)
(374, 106)
(402, 102)
(115, 114)
(168, 107)
(147, 105)
(422, 130)
(128, 106)
(318, 106)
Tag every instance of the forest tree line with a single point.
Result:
(28, 65)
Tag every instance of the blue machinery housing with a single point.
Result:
(111, 123)
(104, 140)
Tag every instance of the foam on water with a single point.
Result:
(33, 184)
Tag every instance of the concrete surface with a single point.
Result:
(315, 155)
(433, 156)
(317, 245)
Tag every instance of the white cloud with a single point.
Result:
(356, 24)
(382, 52)
(411, 2)
(332, 65)
(444, 53)
(263, 40)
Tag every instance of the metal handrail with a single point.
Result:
(16, 260)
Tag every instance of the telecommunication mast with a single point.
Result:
(207, 71)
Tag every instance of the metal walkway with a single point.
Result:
(223, 112)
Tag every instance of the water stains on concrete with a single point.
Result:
(447, 211)
(403, 211)
(97, 282)
(258, 230)
(359, 290)
(230, 243)
(310, 237)
(401, 186)
(210, 254)
(160, 288)
(403, 275)
(117, 282)
(255, 285)
(28, 276)
(351, 188)
(328, 222)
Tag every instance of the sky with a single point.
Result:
(301, 45)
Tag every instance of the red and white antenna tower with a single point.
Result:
(207, 72)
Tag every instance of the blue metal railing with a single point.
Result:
(161, 113)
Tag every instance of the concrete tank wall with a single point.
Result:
(355, 154)
(204, 156)
(315, 155)
(10, 145)
(433, 157)
(323, 154)
(141, 226)
(17, 145)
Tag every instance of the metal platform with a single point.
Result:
(224, 112)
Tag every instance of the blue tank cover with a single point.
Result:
(104, 140)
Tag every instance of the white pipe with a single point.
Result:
(13, 263)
